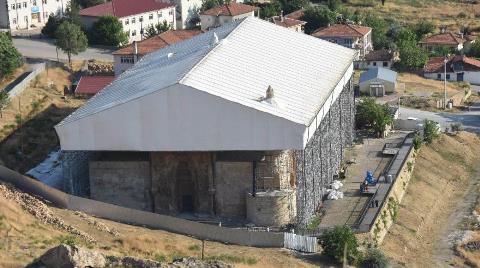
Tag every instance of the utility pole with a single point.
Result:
(445, 82)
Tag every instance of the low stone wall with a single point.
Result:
(272, 208)
(138, 217)
(36, 69)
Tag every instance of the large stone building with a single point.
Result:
(135, 18)
(229, 123)
(28, 14)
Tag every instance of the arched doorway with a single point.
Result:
(185, 188)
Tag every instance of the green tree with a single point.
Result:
(289, 6)
(269, 10)
(442, 51)
(339, 242)
(10, 58)
(379, 31)
(375, 258)
(90, 3)
(411, 56)
(72, 13)
(317, 17)
(422, 28)
(70, 39)
(157, 29)
(108, 31)
(208, 4)
(474, 50)
(4, 101)
(334, 5)
(372, 115)
(52, 25)
(430, 130)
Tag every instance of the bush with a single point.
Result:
(10, 58)
(430, 130)
(456, 127)
(417, 142)
(108, 31)
(375, 258)
(314, 222)
(372, 115)
(335, 242)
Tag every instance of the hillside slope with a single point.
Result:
(443, 177)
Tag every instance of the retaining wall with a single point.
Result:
(377, 220)
(36, 70)
(137, 217)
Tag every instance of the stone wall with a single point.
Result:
(321, 158)
(233, 180)
(272, 208)
(123, 183)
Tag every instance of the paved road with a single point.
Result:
(470, 120)
(44, 49)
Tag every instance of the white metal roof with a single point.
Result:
(251, 55)
(198, 94)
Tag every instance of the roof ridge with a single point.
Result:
(185, 76)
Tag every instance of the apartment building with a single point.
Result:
(28, 14)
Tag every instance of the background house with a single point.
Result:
(187, 13)
(226, 13)
(379, 58)
(90, 85)
(135, 18)
(228, 123)
(19, 15)
(443, 39)
(378, 81)
(459, 68)
(126, 57)
(348, 35)
(293, 24)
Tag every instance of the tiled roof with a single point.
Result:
(296, 15)
(92, 84)
(379, 55)
(236, 63)
(286, 22)
(342, 30)
(443, 39)
(159, 41)
(232, 9)
(124, 8)
(436, 64)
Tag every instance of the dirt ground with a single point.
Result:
(452, 14)
(24, 237)
(443, 174)
(41, 106)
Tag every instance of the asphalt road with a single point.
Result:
(45, 49)
(469, 119)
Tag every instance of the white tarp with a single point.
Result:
(49, 171)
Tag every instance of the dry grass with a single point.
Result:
(7, 80)
(415, 83)
(37, 109)
(440, 179)
(440, 12)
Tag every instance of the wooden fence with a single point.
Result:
(300, 243)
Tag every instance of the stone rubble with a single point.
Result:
(40, 211)
(66, 256)
(97, 224)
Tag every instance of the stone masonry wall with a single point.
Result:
(75, 172)
(123, 183)
(321, 158)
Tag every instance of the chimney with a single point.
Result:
(135, 51)
(269, 94)
(443, 29)
(214, 39)
(281, 16)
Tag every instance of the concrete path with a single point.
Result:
(45, 49)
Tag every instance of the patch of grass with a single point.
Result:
(314, 222)
(194, 248)
(67, 240)
(232, 259)
(159, 257)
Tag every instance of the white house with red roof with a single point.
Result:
(135, 18)
(293, 24)
(458, 68)
(226, 13)
(348, 35)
